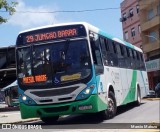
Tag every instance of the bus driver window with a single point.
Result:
(96, 51)
(95, 46)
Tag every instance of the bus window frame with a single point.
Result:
(104, 50)
(94, 40)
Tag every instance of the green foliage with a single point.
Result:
(7, 7)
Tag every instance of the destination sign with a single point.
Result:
(51, 33)
(32, 79)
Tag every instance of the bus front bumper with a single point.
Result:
(91, 105)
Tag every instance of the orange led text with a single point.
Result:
(32, 79)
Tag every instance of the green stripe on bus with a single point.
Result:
(132, 90)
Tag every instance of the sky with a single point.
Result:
(30, 14)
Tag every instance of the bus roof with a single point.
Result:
(101, 32)
(55, 25)
(91, 27)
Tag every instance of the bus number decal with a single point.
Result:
(29, 39)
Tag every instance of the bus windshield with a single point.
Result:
(54, 63)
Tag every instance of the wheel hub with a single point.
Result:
(110, 105)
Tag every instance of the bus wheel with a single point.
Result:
(110, 112)
(50, 120)
(138, 101)
(9, 102)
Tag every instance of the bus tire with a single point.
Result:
(110, 112)
(138, 100)
(50, 120)
(9, 102)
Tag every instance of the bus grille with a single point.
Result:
(54, 92)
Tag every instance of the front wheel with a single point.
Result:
(110, 112)
(9, 101)
(50, 120)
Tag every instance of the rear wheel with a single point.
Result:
(138, 101)
(110, 112)
(50, 120)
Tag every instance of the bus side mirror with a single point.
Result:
(99, 69)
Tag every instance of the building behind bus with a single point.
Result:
(140, 22)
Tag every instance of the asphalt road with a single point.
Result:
(147, 113)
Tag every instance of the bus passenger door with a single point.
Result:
(99, 68)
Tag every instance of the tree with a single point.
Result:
(7, 7)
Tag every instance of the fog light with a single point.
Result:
(29, 101)
(87, 91)
(24, 98)
(82, 96)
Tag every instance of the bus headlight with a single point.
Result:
(87, 91)
(24, 98)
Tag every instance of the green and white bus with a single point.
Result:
(76, 68)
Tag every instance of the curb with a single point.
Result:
(145, 130)
(151, 99)
(7, 109)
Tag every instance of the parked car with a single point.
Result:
(157, 90)
(151, 94)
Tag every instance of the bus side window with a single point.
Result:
(113, 53)
(114, 47)
(122, 56)
(103, 43)
(135, 55)
(128, 58)
(125, 56)
(128, 55)
(131, 58)
(142, 62)
(119, 55)
(106, 44)
(136, 60)
(95, 45)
